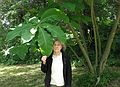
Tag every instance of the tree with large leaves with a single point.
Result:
(46, 31)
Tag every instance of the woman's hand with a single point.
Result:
(44, 59)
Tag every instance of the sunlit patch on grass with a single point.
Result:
(21, 76)
(14, 70)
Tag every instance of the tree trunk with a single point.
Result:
(109, 42)
(82, 49)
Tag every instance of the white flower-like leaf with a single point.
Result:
(33, 30)
(32, 18)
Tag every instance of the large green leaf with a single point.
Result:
(19, 50)
(69, 6)
(34, 20)
(75, 25)
(56, 31)
(55, 11)
(51, 19)
(27, 33)
(12, 34)
(45, 42)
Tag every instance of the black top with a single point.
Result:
(67, 72)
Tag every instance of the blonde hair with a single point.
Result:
(63, 44)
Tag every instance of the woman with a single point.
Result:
(57, 67)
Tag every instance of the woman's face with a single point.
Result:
(57, 46)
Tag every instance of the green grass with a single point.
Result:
(32, 76)
(25, 76)
(21, 76)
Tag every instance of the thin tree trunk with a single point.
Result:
(74, 52)
(95, 33)
(82, 36)
(82, 49)
(109, 42)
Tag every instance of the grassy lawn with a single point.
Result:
(25, 76)
(28, 76)
(21, 76)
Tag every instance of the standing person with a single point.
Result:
(57, 67)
